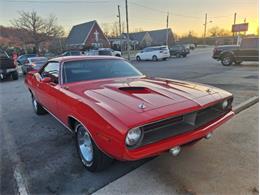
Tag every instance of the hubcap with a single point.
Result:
(85, 145)
(34, 104)
(226, 60)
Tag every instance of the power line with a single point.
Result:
(57, 1)
(165, 12)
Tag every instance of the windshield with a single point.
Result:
(85, 70)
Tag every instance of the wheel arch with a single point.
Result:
(72, 121)
(225, 53)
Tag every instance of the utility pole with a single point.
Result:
(167, 26)
(235, 18)
(245, 22)
(127, 30)
(120, 32)
(205, 28)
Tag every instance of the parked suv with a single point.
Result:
(248, 50)
(178, 51)
(7, 67)
(153, 53)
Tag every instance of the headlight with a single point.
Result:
(133, 136)
(225, 105)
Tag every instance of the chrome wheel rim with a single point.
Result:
(35, 104)
(85, 145)
(226, 60)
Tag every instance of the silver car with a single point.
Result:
(34, 63)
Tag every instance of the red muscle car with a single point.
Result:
(118, 113)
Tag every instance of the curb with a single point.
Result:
(246, 104)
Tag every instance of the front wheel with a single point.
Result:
(227, 60)
(38, 109)
(91, 157)
(138, 58)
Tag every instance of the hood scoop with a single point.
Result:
(135, 90)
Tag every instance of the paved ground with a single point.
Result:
(43, 152)
(226, 164)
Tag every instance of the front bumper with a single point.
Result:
(164, 145)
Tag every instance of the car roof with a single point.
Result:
(75, 58)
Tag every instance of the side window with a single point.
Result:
(51, 70)
(249, 43)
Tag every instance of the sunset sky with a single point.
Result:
(185, 15)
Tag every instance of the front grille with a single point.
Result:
(178, 125)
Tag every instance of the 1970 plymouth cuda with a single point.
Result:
(118, 113)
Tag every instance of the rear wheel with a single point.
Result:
(154, 58)
(38, 109)
(184, 55)
(227, 60)
(91, 157)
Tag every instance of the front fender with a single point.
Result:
(224, 53)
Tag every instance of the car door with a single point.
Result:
(47, 91)
(148, 54)
(142, 54)
(248, 50)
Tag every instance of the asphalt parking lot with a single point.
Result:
(40, 152)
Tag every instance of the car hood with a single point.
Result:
(144, 94)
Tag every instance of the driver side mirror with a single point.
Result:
(46, 80)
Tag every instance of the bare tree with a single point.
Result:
(216, 31)
(114, 30)
(38, 29)
(106, 28)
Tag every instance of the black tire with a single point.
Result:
(238, 62)
(14, 75)
(38, 109)
(154, 58)
(227, 60)
(164, 59)
(117, 55)
(99, 161)
(138, 58)
(184, 55)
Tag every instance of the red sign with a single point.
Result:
(240, 27)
